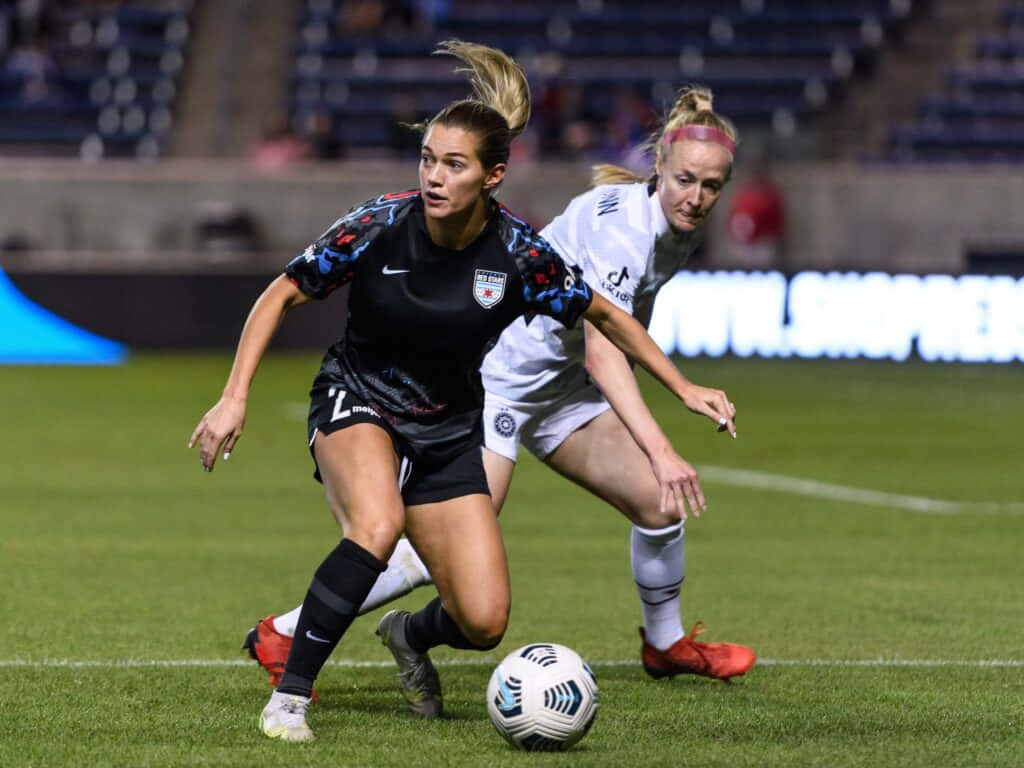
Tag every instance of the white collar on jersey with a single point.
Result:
(659, 222)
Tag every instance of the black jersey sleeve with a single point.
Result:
(332, 260)
(550, 285)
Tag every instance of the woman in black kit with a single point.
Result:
(395, 420)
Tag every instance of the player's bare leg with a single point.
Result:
(603, 457)
(360, 475)
(270, 640)
(472, 610)
(461, 543)
(499, 477)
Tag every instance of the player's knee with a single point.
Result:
(485, 628)
(655, 520)
(646, 513)
(377, 535)
(643, 507)
(486, 638)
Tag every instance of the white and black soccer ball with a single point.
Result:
(542, 697)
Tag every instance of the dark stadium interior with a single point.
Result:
(217, 137)
(138, 77)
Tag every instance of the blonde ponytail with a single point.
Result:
(606, 173)
(499, 109)
(498, 81)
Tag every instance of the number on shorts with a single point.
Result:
(337, 403)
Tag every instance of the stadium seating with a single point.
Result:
(980, 117)
(101, 82)
(110, 71)
(771, 63)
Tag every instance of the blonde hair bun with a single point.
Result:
(693, 105)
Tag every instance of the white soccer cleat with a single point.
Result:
(284, 718)
(420, 683)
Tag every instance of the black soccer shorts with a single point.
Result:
(421, 480)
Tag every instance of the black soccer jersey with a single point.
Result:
(422, 317)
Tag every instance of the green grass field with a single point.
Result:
(890, 629)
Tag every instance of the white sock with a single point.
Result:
(659, 566)
(285, 623)
(405, 572)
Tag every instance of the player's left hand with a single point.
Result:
(714, 404)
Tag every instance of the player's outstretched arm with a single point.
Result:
(613, 375)
(222, 425)
(626, 333)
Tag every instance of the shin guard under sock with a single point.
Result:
(659, 567)
(339, 587)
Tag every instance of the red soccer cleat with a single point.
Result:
(687, 656)
(268, 647)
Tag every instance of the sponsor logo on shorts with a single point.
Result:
(364, 409)
(339, 398)
(504, 424)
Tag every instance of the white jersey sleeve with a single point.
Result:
(607, 234)
(618, 236)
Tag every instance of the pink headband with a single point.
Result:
(701, 133)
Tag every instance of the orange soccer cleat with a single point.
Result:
(687, 656)
(268, 647)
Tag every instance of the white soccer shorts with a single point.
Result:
(540, 426)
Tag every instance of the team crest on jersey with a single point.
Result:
(488, 287)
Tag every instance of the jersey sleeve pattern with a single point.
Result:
(550, 286)
(331, 261)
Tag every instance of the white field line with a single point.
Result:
(482, 661)
(746, 478)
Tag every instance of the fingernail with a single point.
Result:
(723, 421)
(190, 444)
(227, 455)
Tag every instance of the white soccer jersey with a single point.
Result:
(617, 234)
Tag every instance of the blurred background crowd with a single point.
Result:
(875, 134)
(898, 80)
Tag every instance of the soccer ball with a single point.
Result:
(542, 697)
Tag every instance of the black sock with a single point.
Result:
(339, 587)
(433, 626)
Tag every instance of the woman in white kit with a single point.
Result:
(570, 397)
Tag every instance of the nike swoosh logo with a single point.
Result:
(311, 636)
(389, 271)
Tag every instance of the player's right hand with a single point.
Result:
(219, 430)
